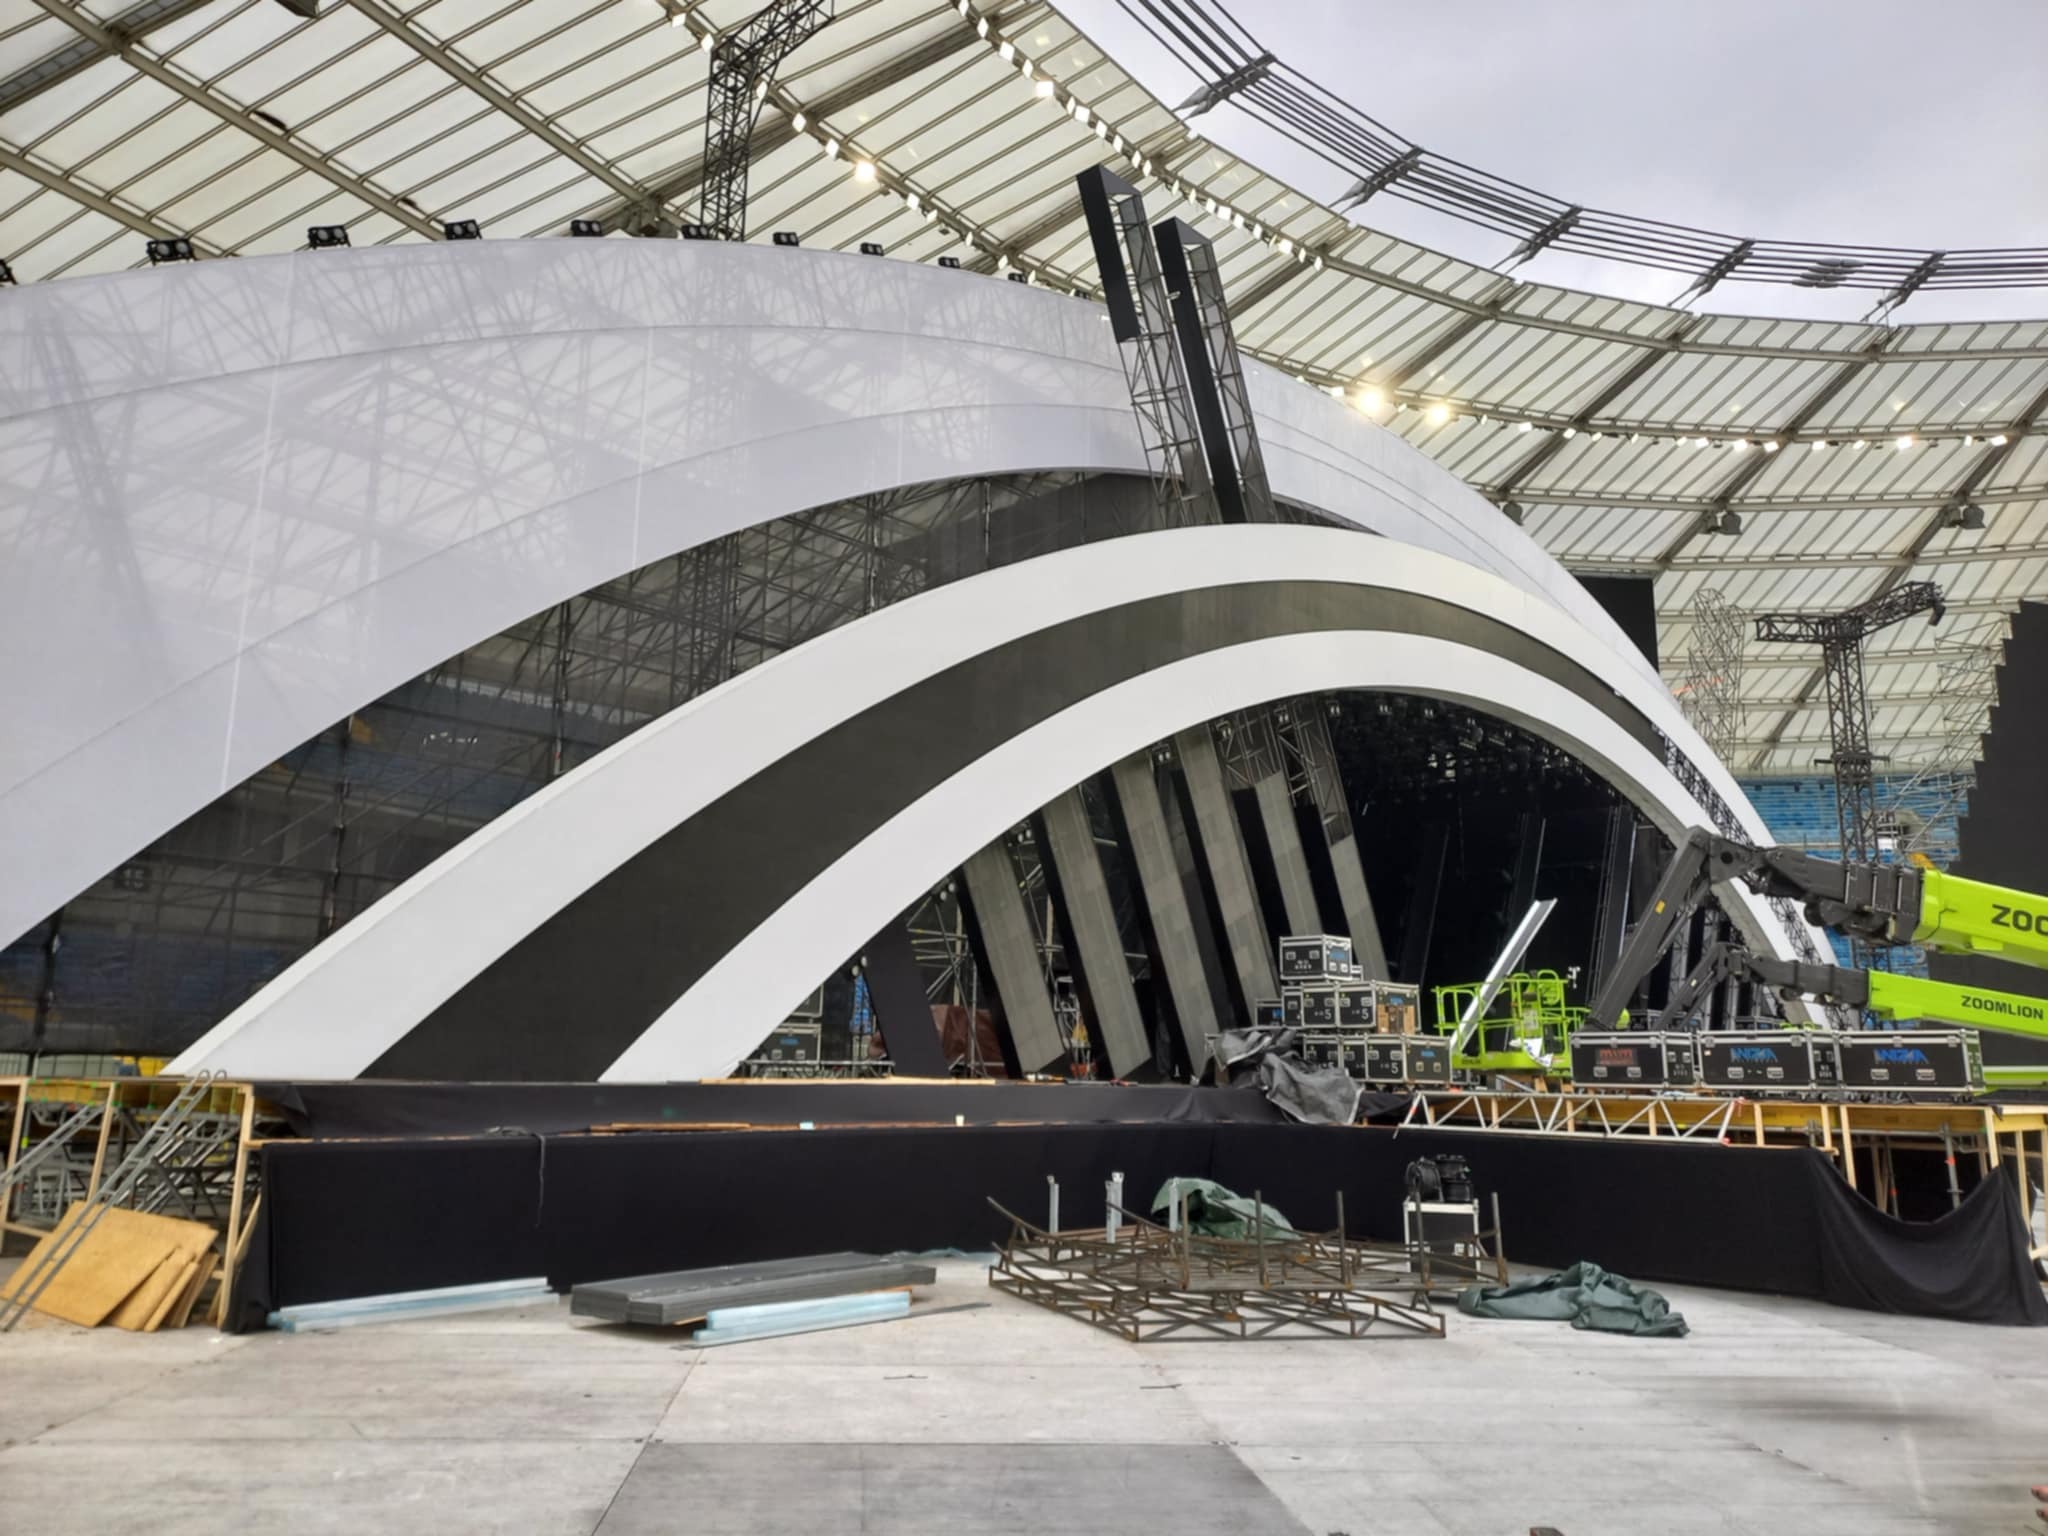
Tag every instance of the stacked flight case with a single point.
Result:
(1368, 1028)
(1635, 1059)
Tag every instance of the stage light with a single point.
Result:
(798, 122)
(870, 248)
(327, 237)
(1437, 414)
(1938, 612)
(586, 229)
(1371, 400)
(1570, 433)
(1905, 441)
(863, 170)
(785, 237)
(1045, 88)
(1819, 443)
(950, 263)
(462, 229)
(1740, 445)
(1526, 427)
(699, 232)
(1771, 446)
(708, 41)
(1967, 516)
(6, 276)
(1998, 441)
(1512, 510)
(176, 249)
(1020, 277)
(831, 149)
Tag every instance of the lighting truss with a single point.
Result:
(743, 62)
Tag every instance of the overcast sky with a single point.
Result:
(1874, 122)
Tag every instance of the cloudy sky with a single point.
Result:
(1876, 122)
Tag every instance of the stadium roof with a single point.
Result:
(1851, 455)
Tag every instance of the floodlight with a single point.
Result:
(327, 237)
(1512, 510)
(786, 237)
(1020, 277)
(176, 249)
(950, 262)
(699, 232)
(870, 248)
(587, 229)
(462, 229)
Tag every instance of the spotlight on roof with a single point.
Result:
(1020, 277)
(1938, 612)
(161, 251)
(327, 237)
(6, 275)
(951, 263)
(786, 237)
(1721, 522)
(462, 229)
(699, 232)
(1966, 515)
(871, 248)
(587, 229)
(1512, 511)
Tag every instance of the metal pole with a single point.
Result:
(1052, 1197)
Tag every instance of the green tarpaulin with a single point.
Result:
(1586, 1296)
(1214, 1211)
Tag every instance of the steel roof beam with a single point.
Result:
(60, 64)
(442, 59)
(1723, 499)
(98, 202)
(1843, 502)
(1622, 383)
(235, 116)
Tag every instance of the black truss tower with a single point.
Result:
(742, 64)
(1840, 637)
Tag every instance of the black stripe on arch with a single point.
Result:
(567, 1000)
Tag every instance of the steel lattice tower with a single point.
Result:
(742, 63)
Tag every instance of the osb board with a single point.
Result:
(125, 1250)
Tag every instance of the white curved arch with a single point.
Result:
(339, 1008)
(251, 497)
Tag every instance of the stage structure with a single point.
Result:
(767, 443)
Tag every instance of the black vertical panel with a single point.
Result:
(1616, 856)
(1528, 860)
(2003, 836)
(1631, 601)
(1429, 881)
(896, 987)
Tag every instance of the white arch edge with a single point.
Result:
(414, 949)
(736, 1003)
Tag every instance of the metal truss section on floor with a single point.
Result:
(1148, 1284)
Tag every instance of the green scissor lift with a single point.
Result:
(1527, 1018)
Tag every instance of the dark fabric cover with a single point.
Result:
(1313, 1095)
(1970, 1263)
(1586, 1296)
(355, 1218)
(371, 1108)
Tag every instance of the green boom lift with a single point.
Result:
(1883, 903)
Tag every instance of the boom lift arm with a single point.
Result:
(1886, 904)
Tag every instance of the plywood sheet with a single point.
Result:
(127, 1257)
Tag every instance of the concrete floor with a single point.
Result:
(1774, 1416)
